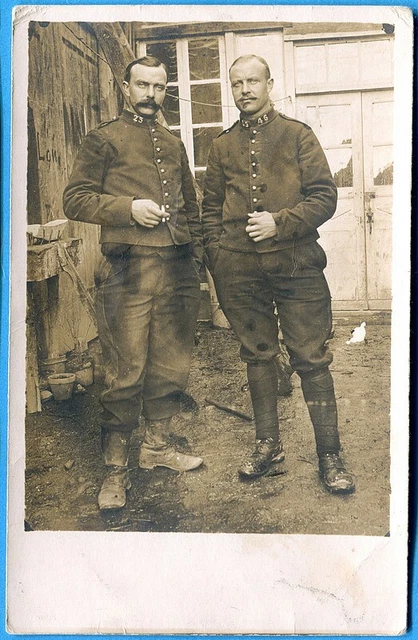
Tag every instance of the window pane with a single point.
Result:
(341, 165)
(204, 59)
(382, 165)
(171, 106)
(202, 138)
(166, 52)
(310, 65)
(343, 63)
(208, 97)
(334, 125)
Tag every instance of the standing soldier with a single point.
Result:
(132, 177)
(268, 188)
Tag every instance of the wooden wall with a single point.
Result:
(71, 89)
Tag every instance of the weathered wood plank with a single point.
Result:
(115, 47)
(64, 104)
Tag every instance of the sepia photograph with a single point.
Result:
(211, 288)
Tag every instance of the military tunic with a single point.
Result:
(134, 158)
(272, 164)
(147, 284)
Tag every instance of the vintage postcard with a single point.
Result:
(209, 320)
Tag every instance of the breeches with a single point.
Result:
(148, 305)
(252, 287)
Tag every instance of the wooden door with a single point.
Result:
(355, 130)
(378, 181)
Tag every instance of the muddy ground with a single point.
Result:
(64, 467)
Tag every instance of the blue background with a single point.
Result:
(5, 126)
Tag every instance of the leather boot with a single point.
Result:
(266, 453)
(156, 451)
(334, 474)
(115, 446)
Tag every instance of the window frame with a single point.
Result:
(184, 84)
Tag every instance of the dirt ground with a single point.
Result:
(64, 467)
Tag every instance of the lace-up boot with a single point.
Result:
(266, 453)
(334, 474)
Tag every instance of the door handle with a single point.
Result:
(369, 196)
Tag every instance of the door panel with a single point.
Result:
(378, 180)
(336, 121)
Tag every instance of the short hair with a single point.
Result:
(252, 56)
(146, 61)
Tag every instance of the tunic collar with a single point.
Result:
(266, 117)
(136, 119)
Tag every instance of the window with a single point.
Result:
(196, 92)
(382, 141)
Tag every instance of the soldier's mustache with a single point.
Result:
(148, 103)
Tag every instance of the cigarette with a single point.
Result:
(163, 210)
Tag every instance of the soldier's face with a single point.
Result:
(146, 89)
(251, 87)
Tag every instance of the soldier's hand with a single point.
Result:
(261, 225)
(147, 213)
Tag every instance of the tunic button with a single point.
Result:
(253, 163)
(162, 170)
(254, 187)
(166, 194)
(252, 152)
(158, 149)
(164, 181)
(252, 141)
(158, 159)
(155, 139)
(152, 130)
(255, 131)
(254, 175)
(167, 206)
(254, 199)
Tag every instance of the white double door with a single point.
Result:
(356, 132)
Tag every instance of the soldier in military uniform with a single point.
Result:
(132, 177)
(268, 188)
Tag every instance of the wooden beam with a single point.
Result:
(115, 46)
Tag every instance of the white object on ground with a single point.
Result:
(358, 334)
